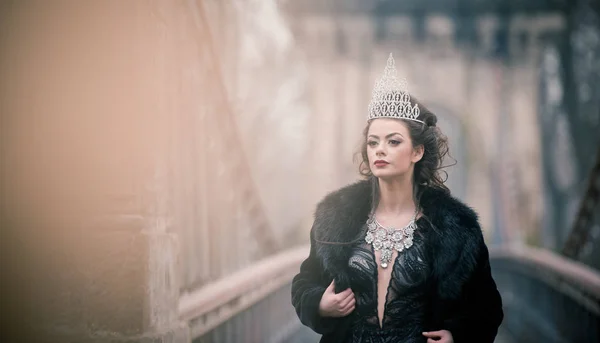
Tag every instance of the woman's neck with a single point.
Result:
(396, 196)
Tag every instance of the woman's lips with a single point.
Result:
(380, 163)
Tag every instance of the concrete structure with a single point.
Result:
(125, 177)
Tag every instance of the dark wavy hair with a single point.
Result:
(428, 171)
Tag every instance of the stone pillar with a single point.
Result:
(88, 254)
(319, 36)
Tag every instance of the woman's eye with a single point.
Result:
(394, 142)
(372, 143)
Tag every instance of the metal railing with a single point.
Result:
(252, 305)
(547, 297)
(587, 217)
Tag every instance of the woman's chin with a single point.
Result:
(389, 175)
(386, 175)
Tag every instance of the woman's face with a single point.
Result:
(390, 150)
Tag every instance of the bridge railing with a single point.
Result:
(547, 297)
(251, 305)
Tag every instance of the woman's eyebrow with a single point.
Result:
(388, 136)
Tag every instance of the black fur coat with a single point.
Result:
(464, 297)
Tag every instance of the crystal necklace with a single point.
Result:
(385, 239)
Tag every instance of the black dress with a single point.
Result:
(406, 306)
(442, 282)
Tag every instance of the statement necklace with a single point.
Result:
(386, 240)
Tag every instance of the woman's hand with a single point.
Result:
(441, 336)
(336, 305)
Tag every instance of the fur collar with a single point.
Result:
(455, 240)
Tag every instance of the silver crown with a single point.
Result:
(391, 98)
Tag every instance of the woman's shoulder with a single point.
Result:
(450, 216)
(342, 211)
(456, 241)
(345, 203)
(348, 197)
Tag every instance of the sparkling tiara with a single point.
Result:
(390, 97)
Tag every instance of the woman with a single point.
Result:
(396, 258)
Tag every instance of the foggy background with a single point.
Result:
(151, 148)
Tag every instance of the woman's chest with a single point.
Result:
(406, 270)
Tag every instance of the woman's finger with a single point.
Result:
(433, 334)
(331, 287)
(344, 294)
(351, 303)
(440, 336)
(348, 311)
(346, 301)
(446, 338)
